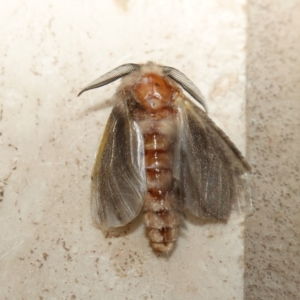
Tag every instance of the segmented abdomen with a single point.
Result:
(160, 215)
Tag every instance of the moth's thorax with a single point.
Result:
(154, 92)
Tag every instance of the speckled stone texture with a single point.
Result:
(273, 96)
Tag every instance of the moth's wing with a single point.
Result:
(214, 173)
(118, 177)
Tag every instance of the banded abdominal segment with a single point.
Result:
(160, 215)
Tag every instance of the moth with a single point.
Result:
(161, 154)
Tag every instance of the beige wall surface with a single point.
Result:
(49, 248)
(273, 113)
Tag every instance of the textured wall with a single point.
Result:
(49, 248)
(273, 97)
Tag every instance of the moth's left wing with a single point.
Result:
(118, 178)
(213, 171)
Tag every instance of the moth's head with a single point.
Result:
(153, 91)
(150, 82)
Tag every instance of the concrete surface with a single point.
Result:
(49, 248)
(273, 113)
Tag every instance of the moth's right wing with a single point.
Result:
(118, 177)
(214, 173)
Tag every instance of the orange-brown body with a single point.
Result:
(156, 114)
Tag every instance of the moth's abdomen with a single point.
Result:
(160, 215)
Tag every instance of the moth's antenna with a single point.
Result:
(186, 83)
(111, 76)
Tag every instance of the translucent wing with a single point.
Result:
(213, 173)
(118, 178)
